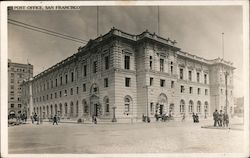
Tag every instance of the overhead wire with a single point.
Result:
(48, 32)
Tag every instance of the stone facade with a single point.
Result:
(133, 75)
(17, 72)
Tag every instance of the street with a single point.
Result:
(157, 137)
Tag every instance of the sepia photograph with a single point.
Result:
(133, 79)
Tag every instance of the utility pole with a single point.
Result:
(222, 38)
(97, 20)
(158, 22)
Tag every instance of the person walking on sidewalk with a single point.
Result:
(215, 116)
(55, 120)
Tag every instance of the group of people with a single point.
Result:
(36, 119)
(195, 118)
(220, 119)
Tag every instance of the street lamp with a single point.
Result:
(147, 118)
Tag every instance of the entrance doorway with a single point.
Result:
(96, 110)
(161, 109)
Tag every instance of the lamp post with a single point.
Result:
(147, 103)
(114, 119)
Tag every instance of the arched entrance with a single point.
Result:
(95, 106)
(162, 104)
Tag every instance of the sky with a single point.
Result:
(197, 29)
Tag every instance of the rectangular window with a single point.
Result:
(51, 83)
(12, 105)
(161, 65)
(190, 75)
(199, 91)
(51, 96)
(47, 97)
(84, 87)
(151, 81)
(85, 70)
(205, 78)
(94, 66)
(127, 82)
(55, 95)
(106, 82)
(12, 81)
(198, 77)
(151, 108)
(19, 105)
(107, 62)
(65, 93)
(162, 83)
(66, 78)
(72, 76)
(150, 62)
(172, 84)
(60, 94)
(61, 80)
(77, 90)
(182, 89)
(71, 91)
(56, 82)
(206, 92)
(127, 62)
(190, 90)
(11, 87)
(181, 74)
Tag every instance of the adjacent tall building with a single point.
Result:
(131, 75)
(17, 73)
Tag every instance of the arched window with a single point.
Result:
(60, 108)
(77, 108)
(51, 109)
(190, 106)
(198, 106)
(47, 110)
(182, 106)
(66, 108)
(127, 104)
(71, 109)
(56, 109)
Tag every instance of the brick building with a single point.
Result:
(131, 75)
(17, 72)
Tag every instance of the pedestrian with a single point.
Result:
(225, 119)
(95, 119)
(220, 118)
(156, 116)
(197, 118)
(32, 119)
(183, 117)
(55, 120)
(215, 117)
(143, 118)
(193, 115)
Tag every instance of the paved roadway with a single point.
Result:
(158, 137)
